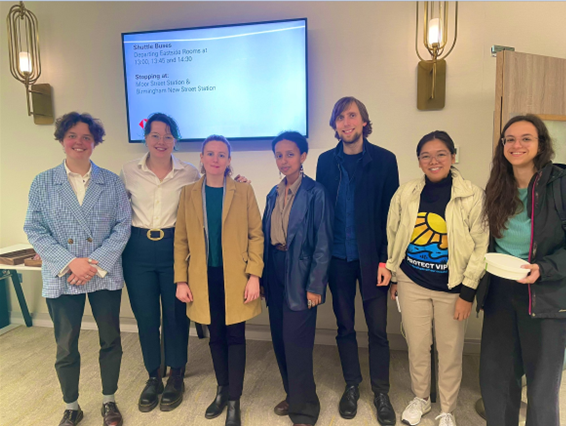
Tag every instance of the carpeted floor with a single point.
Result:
(30, 393)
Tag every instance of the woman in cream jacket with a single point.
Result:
(218, 262)
(437, 240)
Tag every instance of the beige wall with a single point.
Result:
(364, 49)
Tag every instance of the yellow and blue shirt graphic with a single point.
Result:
(428, 249)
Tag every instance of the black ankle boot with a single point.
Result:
(220, 401)
(233, 414)
(173, 392)
(149, 397)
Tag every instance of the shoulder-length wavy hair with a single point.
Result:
(502, 195)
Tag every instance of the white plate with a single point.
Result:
(506, 266)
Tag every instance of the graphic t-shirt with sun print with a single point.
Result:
(426, 259)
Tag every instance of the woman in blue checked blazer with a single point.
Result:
(78, 221)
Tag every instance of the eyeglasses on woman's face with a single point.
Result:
(523, 140)
(439, 157)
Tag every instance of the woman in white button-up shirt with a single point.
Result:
(154, 184)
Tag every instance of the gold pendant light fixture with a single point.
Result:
(25, 62)
(431, 78)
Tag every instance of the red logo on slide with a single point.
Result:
(142, 123)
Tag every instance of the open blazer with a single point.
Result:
(376, 183)
(60, 229)
(309, 243)
(242, 250)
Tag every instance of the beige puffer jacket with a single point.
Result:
(468, 235)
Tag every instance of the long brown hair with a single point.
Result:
(502, 194)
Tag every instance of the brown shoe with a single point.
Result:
(71, 417)
(282, 409)
(111, 414)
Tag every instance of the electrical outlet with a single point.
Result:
(457, 148)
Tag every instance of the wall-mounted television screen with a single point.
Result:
(243, 81)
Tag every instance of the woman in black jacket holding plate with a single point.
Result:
(298, 235)
(524, 329)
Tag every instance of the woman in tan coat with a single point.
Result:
(217, 270)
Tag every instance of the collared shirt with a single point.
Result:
(80, 183)
(282, 210)
(345, 245)
(155, 201)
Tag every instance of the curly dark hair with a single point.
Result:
(502, 194)
(344, 103)
(64, 123)
(292, 136)
(164, 118)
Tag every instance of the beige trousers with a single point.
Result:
(419, 307)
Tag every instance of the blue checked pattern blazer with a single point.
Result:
(60, 229)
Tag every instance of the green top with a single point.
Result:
(214, 219)
(516, 239)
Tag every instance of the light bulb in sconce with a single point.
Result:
(25, 63)
(434, 32)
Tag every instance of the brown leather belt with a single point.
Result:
(280, 247)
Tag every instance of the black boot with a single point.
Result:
(149, 397)
(220, 401)
(233, 414)
(173, 392)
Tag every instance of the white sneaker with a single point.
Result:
(446, 419)
(415, 410)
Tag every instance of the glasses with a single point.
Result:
(440, 157)
(525, 140)
(167, 138)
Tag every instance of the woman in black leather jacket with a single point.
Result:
(298, 235)
(524, 329)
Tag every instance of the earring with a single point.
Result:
(302, 170)
(280, 175)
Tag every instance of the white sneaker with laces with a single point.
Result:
(446, 419)
(415, 410)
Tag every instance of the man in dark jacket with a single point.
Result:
(361, 179)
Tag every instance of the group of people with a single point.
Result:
(192, 245)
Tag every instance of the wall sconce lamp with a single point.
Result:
(431, 77)
(25, 62)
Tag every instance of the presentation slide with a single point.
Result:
(242, 81)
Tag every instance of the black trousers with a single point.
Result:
(292, 333)
(149, 276)
(342, 282)
(513, 344)
(66, 311)
(227, 342)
